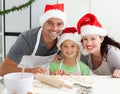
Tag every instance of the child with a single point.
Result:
(69, 45)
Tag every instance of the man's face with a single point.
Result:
(52, 28)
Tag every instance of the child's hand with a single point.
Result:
(61, 72)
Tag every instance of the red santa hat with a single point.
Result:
(55, 10)
(69, 33)
(89, 24)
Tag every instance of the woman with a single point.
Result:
(104, 52)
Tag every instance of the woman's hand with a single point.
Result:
(58, 57)
(116, 74)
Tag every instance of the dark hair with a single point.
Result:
(104, 46)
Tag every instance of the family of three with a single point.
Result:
(39, 46)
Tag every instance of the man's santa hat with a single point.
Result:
(89, 24)
(55, 10)
(69, 33)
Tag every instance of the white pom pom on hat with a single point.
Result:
(55, 10)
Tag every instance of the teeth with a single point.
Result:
(89, 47)
(53, 32)
(69, 53)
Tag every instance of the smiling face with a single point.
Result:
(69, 49)
(92, 43)
(52, 28)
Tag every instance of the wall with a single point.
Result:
(1, 46)
(107, 12)
(19, 21)
(0, 16)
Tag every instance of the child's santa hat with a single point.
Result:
(55, 10)
(89, 24)
(69, 33)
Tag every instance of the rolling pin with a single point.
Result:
(51, 81)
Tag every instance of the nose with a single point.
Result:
(68, 48)
(88, 42)
(55, 27)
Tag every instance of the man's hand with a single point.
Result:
(38, 70)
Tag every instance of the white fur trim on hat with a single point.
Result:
(88, 29)
(69, 36)
(53, 13)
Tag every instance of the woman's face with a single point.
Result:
(92, 43)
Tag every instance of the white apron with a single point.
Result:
(32, 61)
(75, 73)
(103, 69)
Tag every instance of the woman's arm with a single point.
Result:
(113, 60)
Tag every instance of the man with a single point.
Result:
(36, 47)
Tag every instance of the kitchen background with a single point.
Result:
(13, 23)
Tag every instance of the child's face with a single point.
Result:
(69, 49)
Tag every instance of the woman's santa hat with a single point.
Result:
(69, 33)
(89, 24)
(55, 10)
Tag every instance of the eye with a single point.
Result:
(60, 24)
(72, 46)
(93, 39)
(64, 46)
(85, 39)
(49, 23)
